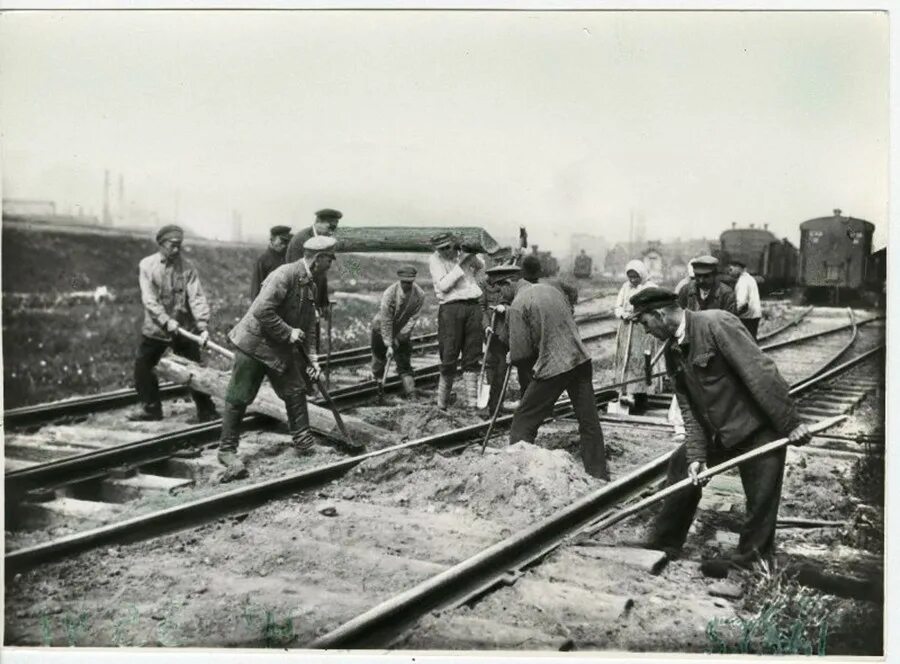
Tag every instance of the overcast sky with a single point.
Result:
(561, 121)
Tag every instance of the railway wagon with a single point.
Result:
(835, 252)
(583, 266)
(780, 264)
(747, 245)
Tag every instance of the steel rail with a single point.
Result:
(380, 625)
(834, 358)
(789, 324)
(815, 335)
(44, 412)
(239, 500)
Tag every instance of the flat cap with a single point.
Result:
(441, 240)
(320, 244)
(329, 214)
(407, 273)
(705, 264)
(169, 231)
(502, 271)
(651, 298)
(736, 261)
(277, 231)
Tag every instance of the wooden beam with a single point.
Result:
(409, 238)
(215, 383)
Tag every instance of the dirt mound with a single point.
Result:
(516, 485)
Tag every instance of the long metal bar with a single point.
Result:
(803, 385)
(241, 499)
(384, 621)
(834, 358)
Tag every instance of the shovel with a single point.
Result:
(484, 394)
(384, 377)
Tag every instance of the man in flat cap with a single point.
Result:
(273, 257)
(172, 297)
(454, 273)
(325, 225)
(281, 317)
(706, 291)
(498, 293)
(392, 327)
(746, 296)
(542, 331)
(733, 399)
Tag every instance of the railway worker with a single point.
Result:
(631, 341)
(454, 273)
(272, 257)
(325, 225)
(706, 291)
(281, 316)
(533, 272)
(733, 399)
(746, 296)
(172, 297)
(392, 327)
(498, 293)
(543, 330)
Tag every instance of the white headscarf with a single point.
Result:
(639, 267)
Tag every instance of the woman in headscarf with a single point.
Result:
(631, 367)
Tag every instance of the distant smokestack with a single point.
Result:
(734, 224)
(107, 217)
(120, 208)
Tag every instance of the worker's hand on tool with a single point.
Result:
(508, 357)
(800, 436)
(204, 338)
(314, 371)
(694, 471)
(390, 352)
(297, 335)
(464, 258)
(172, 325)
(500, 308)
(488, 330)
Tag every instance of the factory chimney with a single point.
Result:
(120, 208)
(107, 217)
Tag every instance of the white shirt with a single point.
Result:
(681, 331)
(746, 294)
(452, 282)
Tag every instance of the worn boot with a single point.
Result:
(298, 424)
(228, 443)
(470, 380)
(409, 385)
(445, 387)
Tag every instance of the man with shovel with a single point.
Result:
(392, 328)
(733, 399)
(281, 317)
(497, 294)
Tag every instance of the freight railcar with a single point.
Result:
(773, 261)
(835, 254)
(780, 265)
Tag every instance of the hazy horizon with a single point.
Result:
(565, 122)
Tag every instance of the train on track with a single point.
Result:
(834, 260)
(549, 264)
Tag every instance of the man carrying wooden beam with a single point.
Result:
(733, 399)
(273, 257)
(453, 272)
(172, 297)
(392, 327)
(542, 329)
(281, 316)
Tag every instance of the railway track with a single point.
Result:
(369, 526)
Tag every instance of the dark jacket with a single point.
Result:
(720, 297)
(295, 253)
(284, 303)
(726, 386)
(265, 264)
(491, 296)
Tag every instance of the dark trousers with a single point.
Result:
(761, 478)
(402, 355)
(460, 332)
(752, 325)
(145, 381)
(247, 375)
(537, 405)
(525, 371)
(495, 370)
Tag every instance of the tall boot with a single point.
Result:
(228, 443)
(298, 424)
(409, 385)
(445, 387)
(470, 379)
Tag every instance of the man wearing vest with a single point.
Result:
(706, 291)
(282, 316)
(393, 325)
